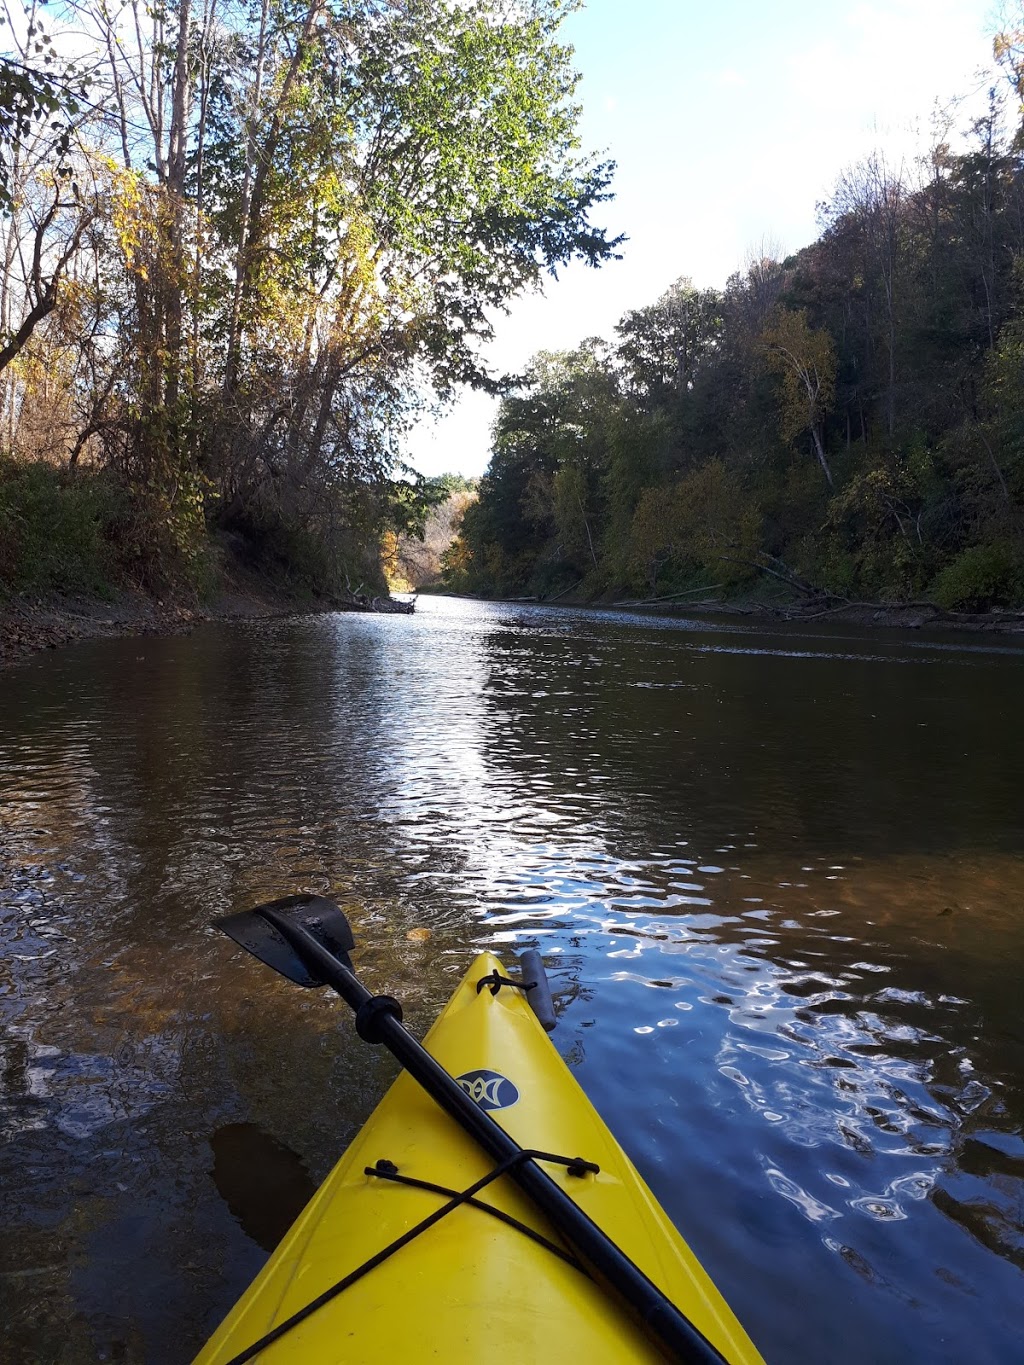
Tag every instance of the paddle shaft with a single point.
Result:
(669, 1327)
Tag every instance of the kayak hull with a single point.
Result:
(471, 1286)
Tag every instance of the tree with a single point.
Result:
(306, 214)
(662, 347)
(404, 171)
(874, 195)
(701, 523)
(421, 557)
(805, 361)
(42, 205)
(542, 498)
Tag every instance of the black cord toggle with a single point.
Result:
(579, 1167)
(496, 981)
(368, 1016)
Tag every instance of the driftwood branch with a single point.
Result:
(565, 592)
(783, 573)
(357, 601)
(668, 596)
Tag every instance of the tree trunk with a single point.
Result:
(819, 450)
(174, 273)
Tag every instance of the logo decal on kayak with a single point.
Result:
(490, 1089)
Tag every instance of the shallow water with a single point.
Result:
(776, 877)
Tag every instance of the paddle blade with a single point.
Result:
(254, 931)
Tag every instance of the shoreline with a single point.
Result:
(31, 625)
(875, 615)
(872, 615)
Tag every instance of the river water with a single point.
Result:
(776, 876)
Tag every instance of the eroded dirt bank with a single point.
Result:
(31, 624)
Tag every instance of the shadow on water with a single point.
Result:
(776, 878)
(264, 1183)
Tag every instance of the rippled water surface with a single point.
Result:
(777, 879)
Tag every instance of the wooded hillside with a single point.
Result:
(848, 421)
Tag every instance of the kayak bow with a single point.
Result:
(437, 1235)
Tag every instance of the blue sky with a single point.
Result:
(729, 122)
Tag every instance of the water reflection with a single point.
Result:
(776, 878)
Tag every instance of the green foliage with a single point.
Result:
(849, 421)
(329, 558)
(542, 501)
(457, 567)
(410, 501)
(878, 524)
(980, 577)
(663, 348)
(298, 221)
(56, 529)
(569, 498)
(698, 526)
(297, 556)
(447, 484)
(40, 94)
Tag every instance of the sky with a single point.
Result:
(729, 122)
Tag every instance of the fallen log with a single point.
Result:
(387, 605)
(667, 597)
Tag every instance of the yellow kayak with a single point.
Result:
(491, 1278)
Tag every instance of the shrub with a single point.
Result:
(55, 528)
(982, 576)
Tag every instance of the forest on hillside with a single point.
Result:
(844, 424)
(244, 243)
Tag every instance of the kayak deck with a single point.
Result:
(470, 1286)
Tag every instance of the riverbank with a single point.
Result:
(32, 622)
(29, 625)
(888, 616)
(912, 616)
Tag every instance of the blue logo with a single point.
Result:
(489, 1089)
